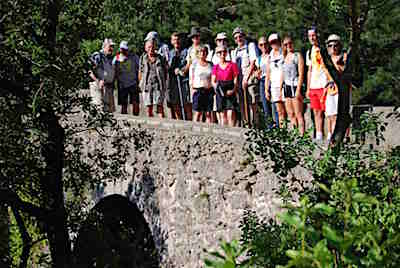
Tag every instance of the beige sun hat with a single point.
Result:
(221, 36)
(333, 38)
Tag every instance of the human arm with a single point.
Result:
(267, 81)
(300, 67)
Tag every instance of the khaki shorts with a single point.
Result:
(254, 93)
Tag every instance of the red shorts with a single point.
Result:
(315, 99)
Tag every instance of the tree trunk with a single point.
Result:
(351, 74)
(52, 184)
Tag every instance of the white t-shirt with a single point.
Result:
(200, 75)
(247, 53)
(318, 76)
(275, 68)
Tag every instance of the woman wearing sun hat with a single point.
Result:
(225, 81)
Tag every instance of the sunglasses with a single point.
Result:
(287, 44)
(333, 45)
(238, 37)
(221, 52)
(262, 44)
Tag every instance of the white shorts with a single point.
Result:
(153, 97)
(331, 104)
(276, 94)
(96, 93)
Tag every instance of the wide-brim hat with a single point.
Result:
(221, 36)
(237, 30)
(333, 38)
(194, 31)
(151, 36)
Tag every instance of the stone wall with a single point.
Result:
(193, 185)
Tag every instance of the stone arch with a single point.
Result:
(115, 234)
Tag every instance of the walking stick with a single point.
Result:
(181, 97)
(246, 107)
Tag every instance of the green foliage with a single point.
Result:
(229, 258)
(348, 217)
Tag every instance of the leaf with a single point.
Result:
(331, 234)
(324, 208)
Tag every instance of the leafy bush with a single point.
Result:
(348, 217)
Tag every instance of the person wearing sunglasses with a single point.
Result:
(273, 78)
(316, 82)
(261, 64)
(220, 40)
(331, 96)
(291, 83)
(224, 79)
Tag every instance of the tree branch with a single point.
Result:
(26, 238)
(13, 200)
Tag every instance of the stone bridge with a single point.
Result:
(193, 184)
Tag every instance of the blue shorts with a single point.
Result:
(203, 100)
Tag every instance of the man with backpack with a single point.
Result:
(178, 91)
(245, 56)
(102, 75)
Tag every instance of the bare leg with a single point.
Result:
(289, 105)
(135, 108)
(319, 121)
(298, 110)
(281, 112)
(150, 111)
(225, 118)
(160, 111)
(188, 111)
(209, 117)
(197, 116)
(231, 117)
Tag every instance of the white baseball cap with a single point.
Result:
(151, 36)
(273, 37)
(221, 36)
(124, 45)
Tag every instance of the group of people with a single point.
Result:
(222, 85)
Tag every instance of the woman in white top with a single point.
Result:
(200, 82)
(273, 77)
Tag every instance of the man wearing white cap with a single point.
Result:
(163, 48)
(102, 74)
(220, 40)
(245, 56)
(126, 69)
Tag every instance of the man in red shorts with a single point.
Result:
(316, 82)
